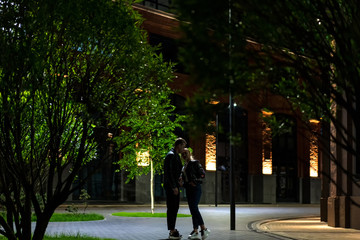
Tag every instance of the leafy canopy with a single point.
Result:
(67, 70)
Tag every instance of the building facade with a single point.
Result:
(267, 169)
(340, 167)
(289, 167)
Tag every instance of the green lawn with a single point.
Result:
(71, 217)
(77, 237)
(145, 214)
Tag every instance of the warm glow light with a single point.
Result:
(138, 90)
(210, 157)
(314, 151)
(266, 113)
(267, 167)
(312, 224)
(143, 158)
(59, 75)
(266, 146)
(314, 121)
(214, 102)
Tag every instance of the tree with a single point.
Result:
(305, 51)
(68, 68)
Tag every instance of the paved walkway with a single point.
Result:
(265, 222)
(305, 228)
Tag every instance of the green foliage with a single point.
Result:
(76, 237)
(71, 217)
(305, 51)
(72, 209)
(68, 69)
(312, 49)
(213, 54)
(84, 196)
(63, 217)
(150, 129)
(145, 214)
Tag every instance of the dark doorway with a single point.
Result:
(240, 155)
(285, 159)
(104, 181)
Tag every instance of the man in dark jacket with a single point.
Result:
(172, 172)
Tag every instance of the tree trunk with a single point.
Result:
(26, 218)
(41, 225)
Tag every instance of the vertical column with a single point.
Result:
(335, 176)
(324, 158)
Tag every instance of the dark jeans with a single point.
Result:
(172, 204)
(193, 195)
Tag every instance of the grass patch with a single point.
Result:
(145, 214)
(71, 217)
(77, 237)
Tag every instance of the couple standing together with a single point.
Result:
(188, 176)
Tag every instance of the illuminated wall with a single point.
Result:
(210, 152)
(266, 151)
(314, 149)
(142, 158)
(266, 146)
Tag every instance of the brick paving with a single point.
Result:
(252, 222)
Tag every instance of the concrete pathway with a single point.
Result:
(259, 222)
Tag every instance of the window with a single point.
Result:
(163, 5)
(314, 148)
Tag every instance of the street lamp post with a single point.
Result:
(217, 160)
(232, 185)
(231, 108)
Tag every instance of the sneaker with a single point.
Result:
(174, 235)
(205, 233)
(194, 235)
